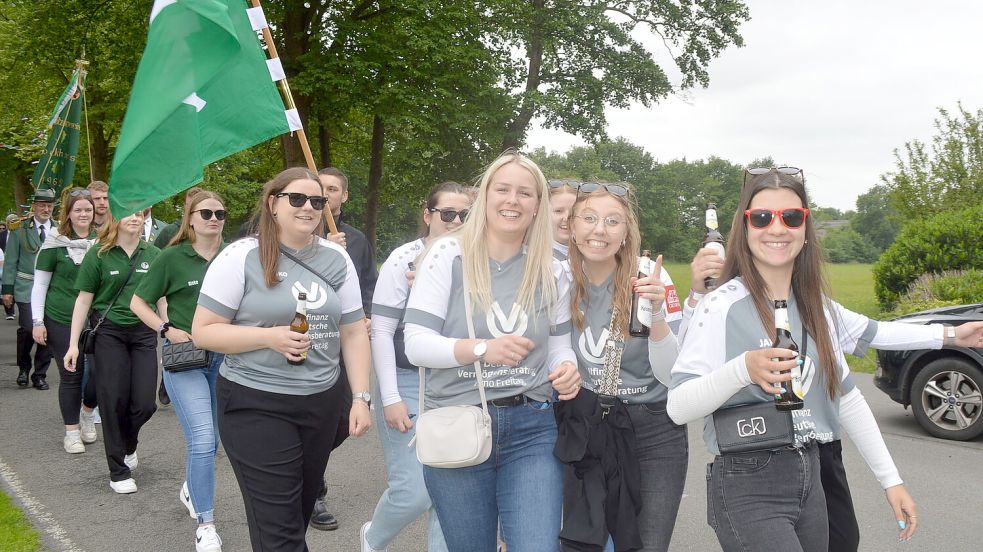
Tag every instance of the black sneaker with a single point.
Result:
(321, 519)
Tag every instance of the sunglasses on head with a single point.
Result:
(298, 199)
(447, 215)
(206, 214)
(755, 171)
(79, 192)
(793, 217)
(619, 190)
(572, 184)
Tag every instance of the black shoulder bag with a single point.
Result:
(757, 426)
(87, 340)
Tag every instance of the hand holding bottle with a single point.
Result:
(707, 263)
(765, 371)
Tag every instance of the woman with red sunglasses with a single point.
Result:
(768, 496)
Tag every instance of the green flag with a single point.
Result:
(57, 165)
(202, 92)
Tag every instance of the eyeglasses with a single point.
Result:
(793, 217)
(79, 192)
(447, 215)
(619, 190)
(573, 184)
(206, 214)
(298, 199)
(610, 222)
(791, 171)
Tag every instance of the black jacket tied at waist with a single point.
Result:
(596, 441)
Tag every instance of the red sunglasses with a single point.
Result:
(792, 217)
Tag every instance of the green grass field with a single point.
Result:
(16, 534)
(852, 285)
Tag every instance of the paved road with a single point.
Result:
(69, 500)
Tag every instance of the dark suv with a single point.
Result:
(943, 386)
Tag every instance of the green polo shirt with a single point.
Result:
(60, 300)
(103, 276)
(176, 274)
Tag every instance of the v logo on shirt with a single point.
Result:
(593, 349)
(316, 297)
(500, 325)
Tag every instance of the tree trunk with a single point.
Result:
(324, 141)
(22, 191)
(100, 149)
(515, 132)
(375, 178)
(297, 33)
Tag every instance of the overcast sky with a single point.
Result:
(832, 87)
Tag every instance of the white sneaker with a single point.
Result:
(365, 544)
(131, 460)
(207, 540)
(125, 486)
(87, 426)
(73, 443)
(96, 418)
(185, 497)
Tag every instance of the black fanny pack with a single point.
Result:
(752, 427)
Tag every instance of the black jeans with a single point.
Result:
(844, 533)
(278, 446)
(25, 340)
(125, 385)
(70, 392)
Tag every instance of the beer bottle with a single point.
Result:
(714, 241)
(641, 309)
(299, 325)
(787, 399)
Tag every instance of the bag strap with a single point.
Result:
(477, 362)
(133, 267)
(613, 350)
(294, 258)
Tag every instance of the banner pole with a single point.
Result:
(289, 100)
(81, 63)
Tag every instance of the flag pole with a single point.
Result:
(81, 63)
(289, 99)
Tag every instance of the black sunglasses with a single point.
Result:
(791, 171)
(298, 199)
(619, 190)
(447, 215)
(206, 214)
(793, 217)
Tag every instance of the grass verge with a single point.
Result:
(16, 533)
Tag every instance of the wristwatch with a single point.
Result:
(950, 336)
(38, 323)
(480, 348)
(363, 396)
(163, 329)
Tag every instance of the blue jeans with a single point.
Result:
(520, 484)
(406, 498)
(192, 393)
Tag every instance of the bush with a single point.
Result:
(904, 307)
(929, 291)
(845, 245)
(948, 241)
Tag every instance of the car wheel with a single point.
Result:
(946, 399)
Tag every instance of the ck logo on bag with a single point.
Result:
(751, 428)
(500, 325)
(593, 349)
(316, 297)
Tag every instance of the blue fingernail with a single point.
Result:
(902, 524)
(800, 362)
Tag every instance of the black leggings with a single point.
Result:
(70, 391)
(844, 534)
(278, 446)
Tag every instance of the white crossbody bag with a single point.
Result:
(454, 436)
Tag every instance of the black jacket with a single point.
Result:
(359, 249)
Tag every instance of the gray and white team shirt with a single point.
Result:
(725, 325)
(637, 382)
(235, 288)
(560, 251)
(388, 305)
(436, 303)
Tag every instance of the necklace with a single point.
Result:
(498, 265)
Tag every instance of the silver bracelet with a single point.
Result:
(39, 323)
(658, 316)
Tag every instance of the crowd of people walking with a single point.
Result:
(522, 301)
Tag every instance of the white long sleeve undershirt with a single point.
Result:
(384, 357)
(698, 397)
(858, 422)
(39, 291)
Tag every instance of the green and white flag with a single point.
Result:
(56, 168)
(203, 91)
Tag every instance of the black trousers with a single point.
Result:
(844, 533)
(278, 446)
(25, 341)
(70, 392)
(125, 386)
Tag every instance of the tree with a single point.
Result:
(876, 220)
(949, 177)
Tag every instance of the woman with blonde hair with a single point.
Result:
(278, 393)
(501, 261)
(125, 349)
(174, 280)
(52, 301)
